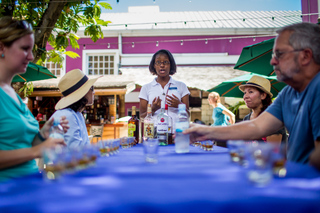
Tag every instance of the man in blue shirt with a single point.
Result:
(296, 61)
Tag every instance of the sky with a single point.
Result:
(206, 5)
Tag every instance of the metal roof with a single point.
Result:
(150, 19)
(203, 78)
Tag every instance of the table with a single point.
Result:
(200, 181)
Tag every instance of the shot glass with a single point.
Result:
(259, 169)
(53, 163)
(279, 160)
(236, 150)
(150, 148)
(208, 145)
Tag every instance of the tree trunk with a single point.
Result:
(45, 27)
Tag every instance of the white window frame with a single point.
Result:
(86, 53)
(63, 68)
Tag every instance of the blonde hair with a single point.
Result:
(12, 30)
(215, 95)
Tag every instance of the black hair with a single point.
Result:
(173, 66)
(77, 106)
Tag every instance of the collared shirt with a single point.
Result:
(77, 134)
(153, 89)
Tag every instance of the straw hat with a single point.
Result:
(259, 82)
(74, 85)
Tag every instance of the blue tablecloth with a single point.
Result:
(200, 181)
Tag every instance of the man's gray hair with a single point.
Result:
(304, 35)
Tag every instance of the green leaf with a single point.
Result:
(105, 5)
(72, 54)
(73, 41)
(102, 22)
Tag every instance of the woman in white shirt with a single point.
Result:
(163, 87)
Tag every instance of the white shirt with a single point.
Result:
(153, 89)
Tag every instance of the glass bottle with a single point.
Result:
(148, 126)
(182, 123)
(169, 125)
(162, 126)
(133, 125)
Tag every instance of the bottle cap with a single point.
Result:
(56, 122)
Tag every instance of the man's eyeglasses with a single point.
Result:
(158, 63)
(278, 54)
(23, 24)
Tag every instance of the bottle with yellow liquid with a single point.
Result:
(133, 125)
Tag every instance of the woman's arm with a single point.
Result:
(45, 130)
(185, 100)
(10, 158)
(230, 114)
(143, 108)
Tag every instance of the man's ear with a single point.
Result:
(307, 56)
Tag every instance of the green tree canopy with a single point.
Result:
(57, 22)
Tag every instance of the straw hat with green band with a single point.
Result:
(74, 85)
(258, 82)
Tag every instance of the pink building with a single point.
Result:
(210, 41)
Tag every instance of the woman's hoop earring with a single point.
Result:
(2, 55)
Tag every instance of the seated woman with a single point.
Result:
(77, 90)
(221, 115)
(21, 141)
(257, 97)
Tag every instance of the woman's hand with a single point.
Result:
(49, 143)
(173, 101)
(156, 104)
(46, 127)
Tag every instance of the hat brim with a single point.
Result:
(76, 95)
(241, 87)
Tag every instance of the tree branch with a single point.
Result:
(46, 25)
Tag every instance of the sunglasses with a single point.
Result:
(23, 24)
(92, 89)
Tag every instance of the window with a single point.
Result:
(54, 68)
(101, 64)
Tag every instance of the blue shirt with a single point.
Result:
(77, 134)
(18, 128)
(219, 119)
(300, 113)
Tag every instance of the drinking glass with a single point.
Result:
(53, 163)
(279, 160)
(259, 163)
(236, 150)
(150, 147)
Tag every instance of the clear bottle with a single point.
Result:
(182, 123)
(170, 141)
(148, 126)
(133, 125)
(162, 126)
(56, 131)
